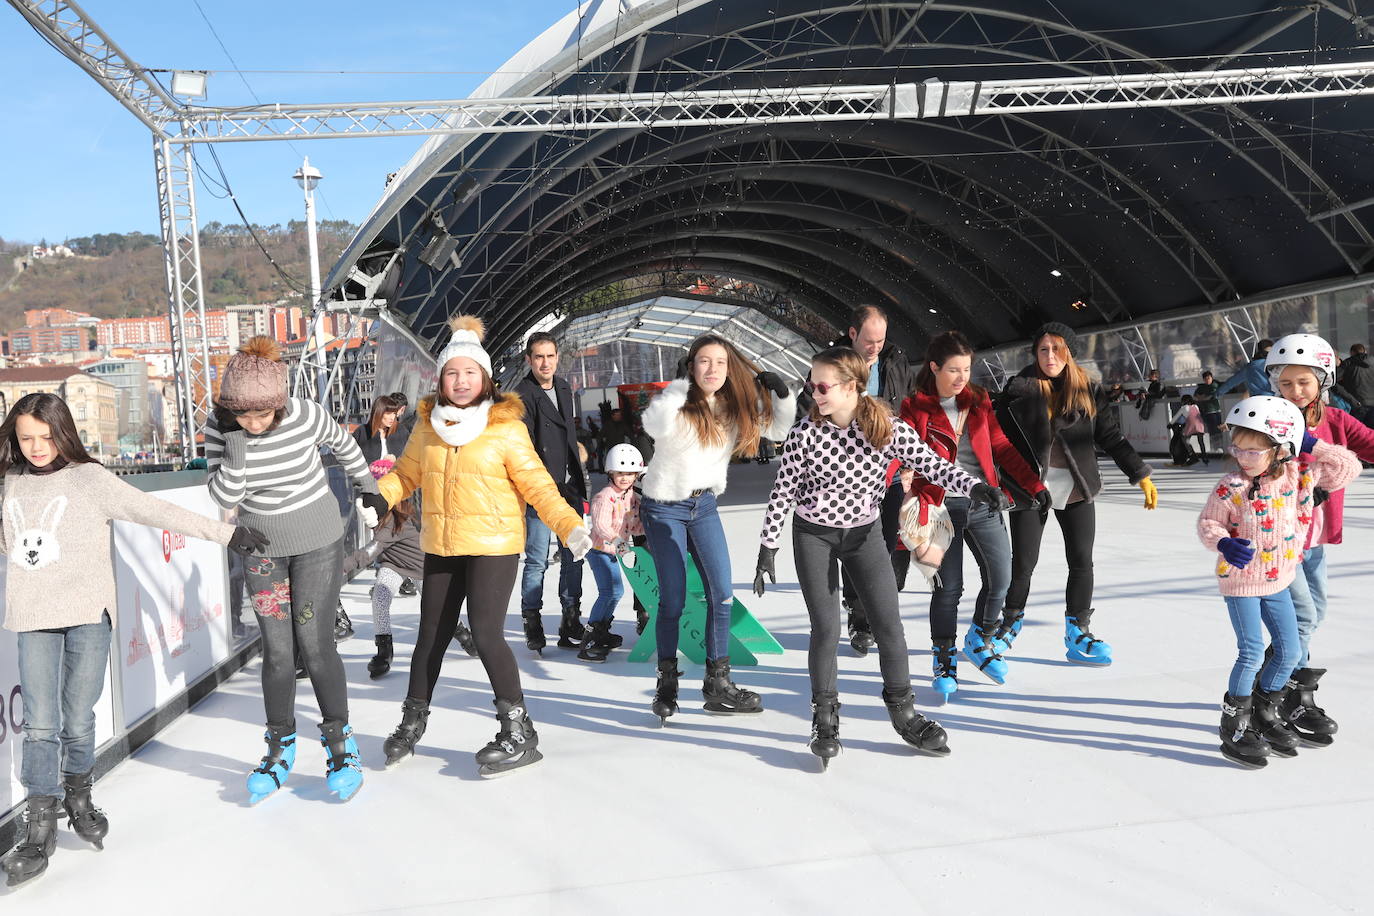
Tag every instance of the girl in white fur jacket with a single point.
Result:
(720, 410)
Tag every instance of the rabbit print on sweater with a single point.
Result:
(37, 546)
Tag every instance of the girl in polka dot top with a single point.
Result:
(834, 472)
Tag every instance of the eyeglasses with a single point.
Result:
(821, 387)
(1249, 454)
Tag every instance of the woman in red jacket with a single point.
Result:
(955, 418)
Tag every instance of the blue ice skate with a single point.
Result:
(275, 767)
(944, 665)
(1083, 647)
(980, 650)
(343, 769)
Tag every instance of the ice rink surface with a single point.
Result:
(1069, 789)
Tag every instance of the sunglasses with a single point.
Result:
(1249, 454)
(821, 387)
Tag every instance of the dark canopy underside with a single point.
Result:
(946, 222)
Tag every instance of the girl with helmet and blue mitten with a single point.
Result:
(615, 524)
(1257, 519)
(1302, 368)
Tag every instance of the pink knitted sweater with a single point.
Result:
(1274, 519)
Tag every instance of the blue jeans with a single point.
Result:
(1276, 613)
(986, 535)
(61, 676)
(673, 529)
(1309, 597)
(537, 535)
(609, 585)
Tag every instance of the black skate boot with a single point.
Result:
(825, 728)
(515, 745)
(400, 744)
(599, 642)
(29, 858)
(860, 636)
(722, 695)
(464, 637)
(343, 627)
(408, 588)
(1282, 740)
(381, 662)
(534, 630)
(1299, 709)
(916, 730)
(1240, 743)
(571, 632)
(83, 816)
(665, 693)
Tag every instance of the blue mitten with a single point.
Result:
(1309, 442)
(1236, 551)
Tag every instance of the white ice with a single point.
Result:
(1069, 789)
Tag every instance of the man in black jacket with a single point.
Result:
(1357, 377)
(892, 379)
(549, 417)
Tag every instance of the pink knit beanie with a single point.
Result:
(254, 378)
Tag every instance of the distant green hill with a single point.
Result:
(119, 275)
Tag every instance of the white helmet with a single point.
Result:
(1303, 350)
(624, 458)
(1274, 417)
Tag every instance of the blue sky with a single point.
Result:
(79, 163)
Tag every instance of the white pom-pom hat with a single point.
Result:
(466, 340)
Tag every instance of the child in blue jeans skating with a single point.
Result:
(615, 524)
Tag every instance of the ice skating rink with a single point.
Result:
(1069, 789)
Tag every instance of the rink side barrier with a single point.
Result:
(172, 642)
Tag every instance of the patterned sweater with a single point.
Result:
(277, 481)
(835, 478)
(615, 520)
(1274, 518)
(56, 534)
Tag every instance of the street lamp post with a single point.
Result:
(307, 176)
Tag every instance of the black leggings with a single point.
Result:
(1078, 524)
(486, 584)
(890, 514)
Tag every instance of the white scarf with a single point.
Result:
(459, 425)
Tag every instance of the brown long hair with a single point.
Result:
(738, 405)
(399, 514)
(941, 348)
(382, 404)
(874, 416)
(46, 408)
(1313, 413)
(1073, 390)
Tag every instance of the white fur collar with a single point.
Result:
(459, 425)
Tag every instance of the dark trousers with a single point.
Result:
(295, 599)
(983, 530)
(485, 583)
(1078, 524)
(863, 553)
(889, 516)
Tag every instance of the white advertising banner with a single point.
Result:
(12, 712)
(173, 623)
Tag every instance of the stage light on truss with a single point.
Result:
(189, 84)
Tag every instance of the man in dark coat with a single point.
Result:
(549, 416)
(1357, 377)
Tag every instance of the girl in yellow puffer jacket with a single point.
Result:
(472, 457)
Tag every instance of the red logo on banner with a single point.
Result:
(171, 542)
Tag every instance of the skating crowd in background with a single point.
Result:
(880, 468)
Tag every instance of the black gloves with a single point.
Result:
(984, 495)
(773, 383)
(765, 565)
(376, 502)
(247, 541)
(1042, 501)
(1320, 495)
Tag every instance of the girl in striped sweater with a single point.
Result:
(263, 454)
(1257, 520)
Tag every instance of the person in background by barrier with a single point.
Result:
(615, 524)
(376, 438)
(834, 471)
(1254, 519)
(1057, 419)
(549, 412)
(1301, 366)
(1251, 376)
(1357, 377)
(1187, 423)
(60, 598)
(955, 418)
(719, 410)
(263, 449)
(472, 457)
(1154, 392)
(1209, 403)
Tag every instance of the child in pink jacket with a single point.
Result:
(615, 524)
(1257, 520)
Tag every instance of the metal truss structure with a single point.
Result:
(710, 140)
